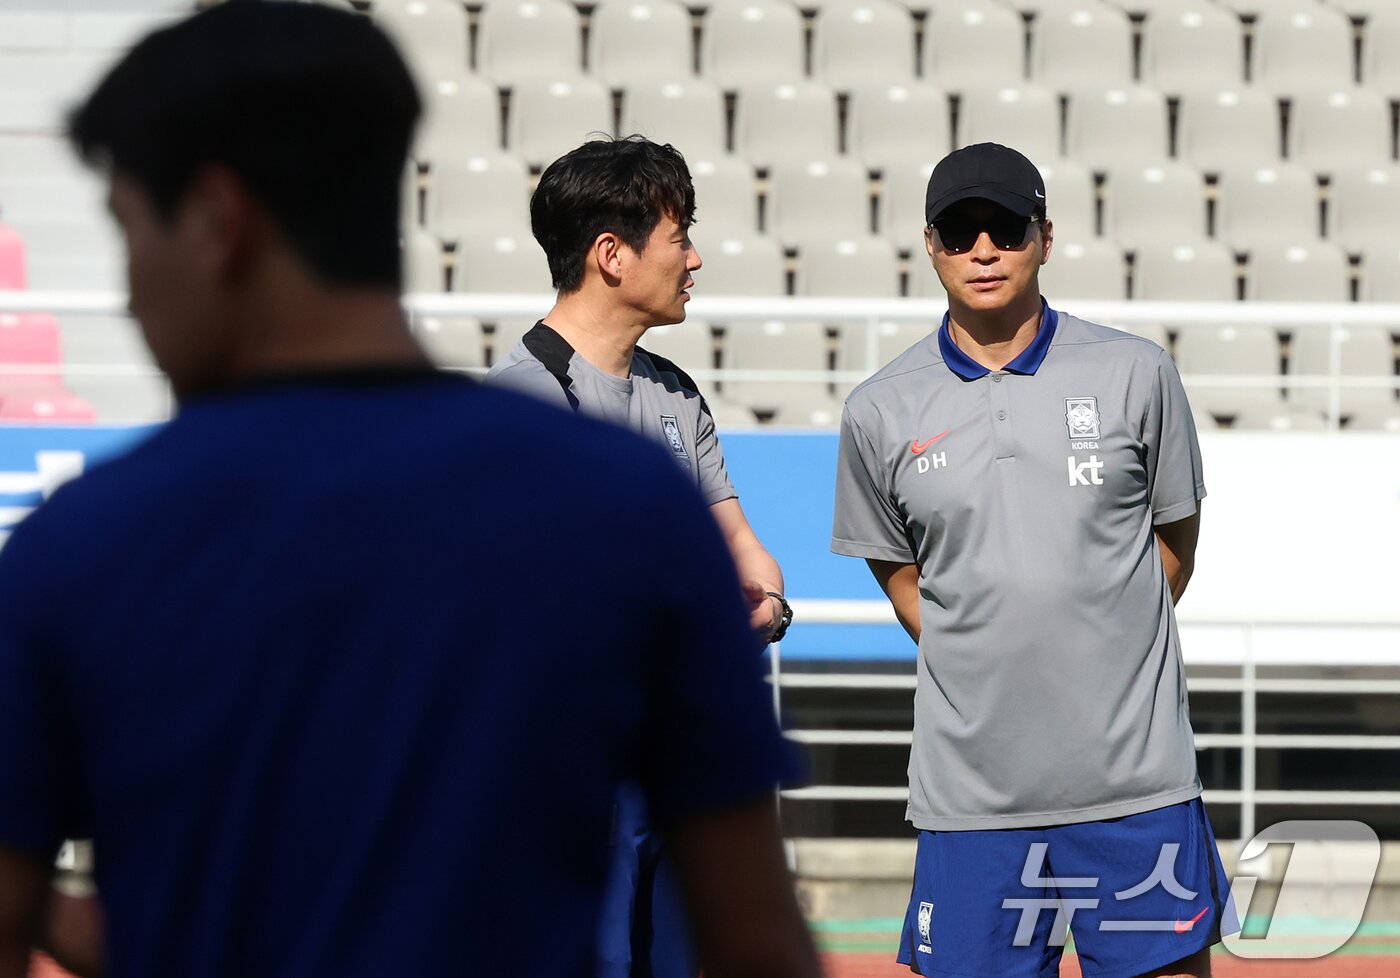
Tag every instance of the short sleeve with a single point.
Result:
(712, 738)
(529, 377)
(1175, 480)
(867, 523)
(32, 728)
(709, 459)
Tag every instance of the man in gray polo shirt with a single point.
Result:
(1026, 488)
(613, 218)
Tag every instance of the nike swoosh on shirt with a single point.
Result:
(1183, 928)
(918, 449)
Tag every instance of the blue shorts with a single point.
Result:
(643, 931)
(1138, 892)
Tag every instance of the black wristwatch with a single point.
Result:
(782, 628)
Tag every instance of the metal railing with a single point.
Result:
(1248, 685)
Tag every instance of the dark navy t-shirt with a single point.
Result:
(341, 675)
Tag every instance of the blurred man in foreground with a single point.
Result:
(284, 662)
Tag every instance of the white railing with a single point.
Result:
(851, 312)
(1255, 651)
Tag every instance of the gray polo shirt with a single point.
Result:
(1050, 683)
(658, 400)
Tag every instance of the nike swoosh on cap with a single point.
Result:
(918, 449)
(1183, 928)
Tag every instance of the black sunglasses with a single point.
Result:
(1007, 230)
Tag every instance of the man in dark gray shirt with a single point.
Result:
(1026, 488)
(613, 218)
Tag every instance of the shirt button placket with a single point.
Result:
(1001, 414)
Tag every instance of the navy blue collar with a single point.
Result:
(1027, 361)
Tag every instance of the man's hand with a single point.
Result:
(765, 614)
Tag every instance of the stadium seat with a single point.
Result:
(1259, 207)
(1280, 418)
(1380, 275)
(640, 42)
(1026, 117)
(107, 364)
(1364, 211)
(690, 344)
(1385, 419)
(30, 341)
(478, 192)
(503, 263)
(829, 266)
(1155, 332)
(34, 30)
(1203, 272)
(461, 117)
(791, 121)
(45, 406)
(504, 334)
(1318, 272)
(900, 214)
(1234, 127)
(688, 114)
(860, 42)
(432, 34)
(549, 118)
(1380, 51)
(816, 198)
(752, 42)
(37, 90)
(52, 197)
(1071, 199)
(726, 196)
(78, 254)
(1363, 353)
(117, 30)
(1338, 129)
(1192, 44)
(1163, 201)
(890, 340)
(807, 408)
(1301, 48)
(454, 342)
(777, 346)
(1084, 269)
(890, 126)
(528, 40)
(1082, 45)
(37, 155)
(424, 268)
(1251, 352)
(966, 43)
(923, 281)
(12, 260)
(1116, 127)
(738, 264)
(726, 413)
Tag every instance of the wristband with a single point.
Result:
(782, 628)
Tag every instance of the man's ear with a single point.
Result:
(1047, 236)
(220, 220)
(607, 256)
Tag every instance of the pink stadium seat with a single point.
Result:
(29, 339)
(12, 275)
(51, 405)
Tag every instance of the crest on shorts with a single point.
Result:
(925, 927)
(1082, 418)
(673, 435)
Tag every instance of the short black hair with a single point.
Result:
(624, 186)
(312, 108)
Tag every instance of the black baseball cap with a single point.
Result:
(989, 171)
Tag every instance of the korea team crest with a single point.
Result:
(925, 927)
(672, 431)
(1082, 418)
